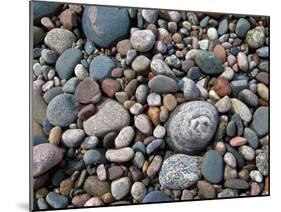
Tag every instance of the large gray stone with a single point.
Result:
(105, 26)
(191, 126)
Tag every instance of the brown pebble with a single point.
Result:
(186, 195)
(131, 87)
(263, 77)
(110, 87)
(219, 51)
(80, 200)
(86, 112)
(154, 115)
(238, 141)
(187, 64)
(206, 190)
(41, 193)
(154, 166)
(117, 72)
(244, 174)
(66, 186)
(222, 87)
(152, 28)
(220, 147)
(177, 38)
(37, 129)
(135, 173)
(55, 135)
(128, 104)
(169, 102)
(47, 22)
(114, 172)
(94, 201)
(151, 75)
(145, 166)
(266, 184)
(107, 198)
(68, 19)
(124, 46)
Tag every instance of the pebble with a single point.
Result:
(263, 77)
(255, 37)
(119, 155)
(70, 85)
(156, 196)
(238, 141)
(262, 163)
(131, 87)
(138, 191)
(242, 61)
(153, 145)
(110, 87)
(111, 116)
(101, 67)
(239, 159)
(187, 166)
(228, 193)
(203, 44)
(124, 137)
(141, 94)
(156, 84)
(136, 109)
(208, 62)
(62, 116)
(263, 91)
(80, 72)
(154, 166)
(94, 156)
(222, 87)
(247, 152)
(39, 107)
(206, 190)
(138, 159)
(139, 147)
(124, 46)
(190, 90)
(89, 47)
(241, 109)
(72, 137)
(80, 200)
(260, 121)
(90, 142)
(154, 99)
(238, 85)
(228, 73)
(131, 54)
(173, 60)
(263, 51)
(38, 35)
(150, 15)
(158, 66)
(159, 131)
(94, 187)
(66, 186)
(212, 33)
(229, 159)
(251, 137)
(45, 157)
(256, 176)
(170, 102)
(187, 116)
(248, 97)
(101, 172)
(105, 30)
(120, 188)
(56, 200)
(49, 56)
(86, 112)
(51, 93)
(140, 64)
(142, 40)
(236, 184)
(223, 105)
(114, 172)
(223, 26)
(242, 27)
(212, 166)
(143, 124)
(42, 204)
(59, 39)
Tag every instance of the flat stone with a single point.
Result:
(179, 172)
(260, 121)
(120, 188)
(142, 40)
(59, 39)
(56, 200)
(94, 156)
(223, 105)
(114, 172)
(119, 155)
(242, 109)
(62, 110)
(156, 84)
(191, 126)
(190, 90)
(150, 15)
(140, 64)
(156, 196)
(101, 67)
(212, 166)
(206, 190)
(95, 187)
(124, 137)
(208, 62)
(251, 137)
(45, 157)
(236, 184)
(248, 97)
(111, 116)
(105, 30)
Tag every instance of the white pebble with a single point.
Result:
(159, 131)
(212, 33)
